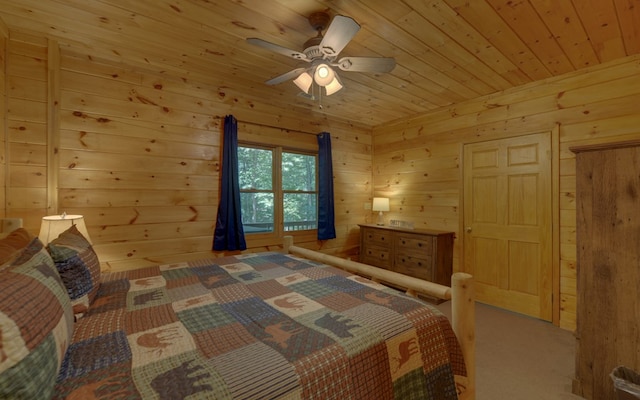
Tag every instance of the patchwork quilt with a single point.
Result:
(257, 326)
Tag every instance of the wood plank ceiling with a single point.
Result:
(447, 51)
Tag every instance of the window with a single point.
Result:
(278, 188)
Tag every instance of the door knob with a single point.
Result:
(468, 229)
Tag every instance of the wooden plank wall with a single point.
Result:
(417, 162)
(4, 35)
(137, 152)
(26, 74)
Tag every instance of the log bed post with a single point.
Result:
(461, 293)
(463, 316)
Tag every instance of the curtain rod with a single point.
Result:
(275, 127)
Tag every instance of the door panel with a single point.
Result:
(485, 268)
(521, 278)
(507, 220)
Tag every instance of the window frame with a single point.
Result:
(275, 237)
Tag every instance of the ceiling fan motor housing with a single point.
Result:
(312, 51)
(319, 21)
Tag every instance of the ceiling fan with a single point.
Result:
(321, 53)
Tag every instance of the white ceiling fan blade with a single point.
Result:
(278, 49)
(367, 64)
(285, 77)
(341, 30)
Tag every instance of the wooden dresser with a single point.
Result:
(424, 254)
(608, 269)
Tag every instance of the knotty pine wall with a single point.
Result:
(4, 35)
(417, 162)
(138, 152)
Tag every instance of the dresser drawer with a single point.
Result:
(414, 245)
(414, 266)
(377, 256)
(378, 237)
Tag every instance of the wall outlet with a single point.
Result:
(367, 206)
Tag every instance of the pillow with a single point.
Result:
(36, 324)
(13, 243)
(78, 267)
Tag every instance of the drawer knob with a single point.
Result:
(419, 244)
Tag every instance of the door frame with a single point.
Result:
(555, 210)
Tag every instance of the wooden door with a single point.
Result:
(508, 222)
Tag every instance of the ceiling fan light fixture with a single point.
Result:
(324, 75)
(321, 52)
(304, 81)
(334, 86)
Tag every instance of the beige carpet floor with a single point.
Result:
(520, 358)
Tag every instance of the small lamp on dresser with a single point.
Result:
(53, 225)
(380, 204)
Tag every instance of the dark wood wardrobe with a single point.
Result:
(608, 251)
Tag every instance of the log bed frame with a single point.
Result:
(461, 294)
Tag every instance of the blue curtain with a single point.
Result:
(326, 215)
(229, 234)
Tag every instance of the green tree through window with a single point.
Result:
(278, 187)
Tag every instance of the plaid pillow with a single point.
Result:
(13, 243)
(78, 266)
(36, 324)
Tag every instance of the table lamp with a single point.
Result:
(380, 204)
(53, 225)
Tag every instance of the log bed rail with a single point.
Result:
(461, 294)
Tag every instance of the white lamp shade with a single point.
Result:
(380, 204)
(53, 225)
(304, 81)
(324, 75)
(334, 86)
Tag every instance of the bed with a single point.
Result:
(273, 325)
